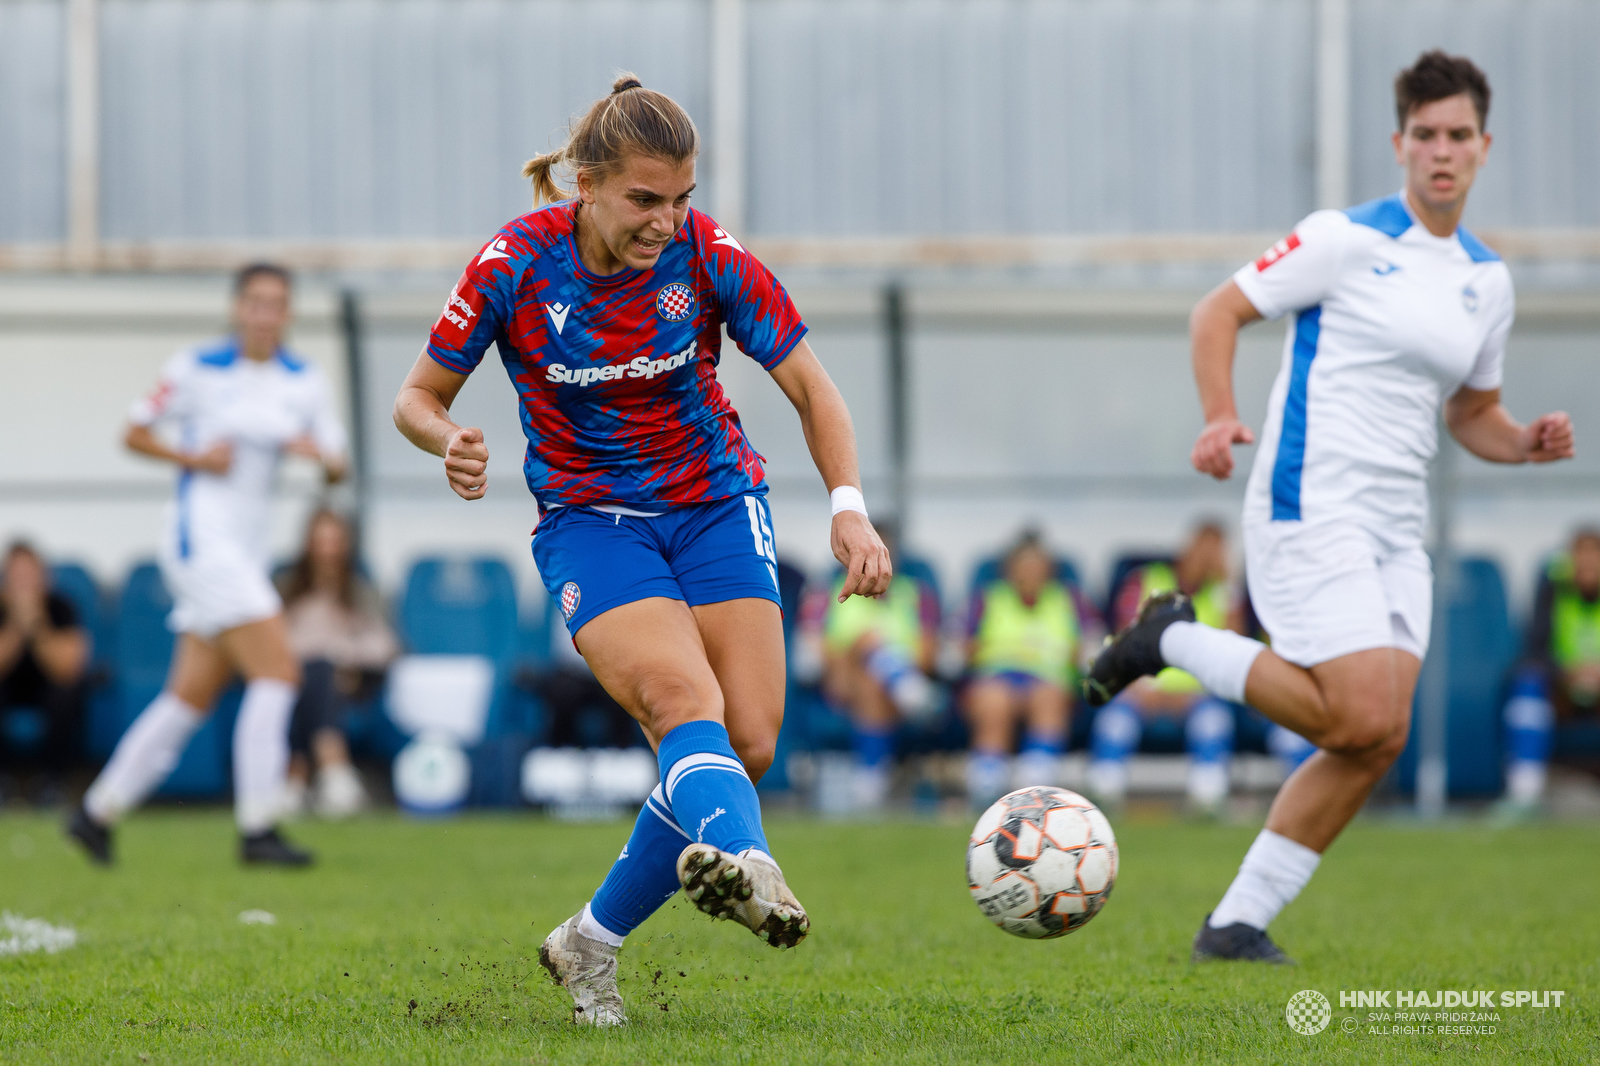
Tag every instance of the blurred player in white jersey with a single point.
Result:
(1398, 311)
(237, 405)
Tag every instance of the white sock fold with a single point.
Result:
(592, 929)
(1274, 871)
(144, 757)
(1220, 658)
(261, 754)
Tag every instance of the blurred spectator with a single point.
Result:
(581, 712)
(878, 656)
(1201, 573)
(1559, 676)
(337, 627)
(1024, 638)
(44, 663)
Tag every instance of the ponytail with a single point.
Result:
(631, 119)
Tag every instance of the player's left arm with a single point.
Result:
(325, 441)
(1484, 427)
(832, 439)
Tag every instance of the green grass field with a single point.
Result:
(416, 942)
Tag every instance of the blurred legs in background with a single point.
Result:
(317, 742)
(1208, 739)
(995, 705)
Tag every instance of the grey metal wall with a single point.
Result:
(338, 119)
(33, 162)
(360, 118)
(1543, 62)
(1017, 116)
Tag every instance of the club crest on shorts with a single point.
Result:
(675, 302)
(569, 599)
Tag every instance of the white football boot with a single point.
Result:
(748, 889)
(587, 969)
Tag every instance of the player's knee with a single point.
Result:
(757, 756)
(1368, 730)
(669, 699)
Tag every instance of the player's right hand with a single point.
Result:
(861, 552)
(466, 462)
(1213, 452)
(217, 459)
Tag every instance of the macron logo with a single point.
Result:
(494, 250)
(558, 315)
(724, 237)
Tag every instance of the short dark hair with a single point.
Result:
(251, 271)
(1590, 534)
(1436, 76)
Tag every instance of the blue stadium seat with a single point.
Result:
(468, 606)
(460, 606)
(1482, 648)
(75, 583)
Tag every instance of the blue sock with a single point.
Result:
(1209, 731)
(1530, 719)
(873, 744)
(1115, 734)
(708, 790)
(1044, 743)
(645, 875)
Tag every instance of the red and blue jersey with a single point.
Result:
(618, 375)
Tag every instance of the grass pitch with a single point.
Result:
(415, 942)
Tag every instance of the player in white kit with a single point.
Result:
(237, 405)
(1397, 312)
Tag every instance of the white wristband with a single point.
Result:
(847, 498)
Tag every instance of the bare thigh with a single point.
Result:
(650, 657)
(202, 668)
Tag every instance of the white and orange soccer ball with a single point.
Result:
(1041, 862)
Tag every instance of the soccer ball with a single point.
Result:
(1041, 862)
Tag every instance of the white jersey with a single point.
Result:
(214, 393)
(1389, 322)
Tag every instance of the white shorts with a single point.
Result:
(1330, 589)
(216, 590)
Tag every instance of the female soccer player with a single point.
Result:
(654, 533)
(1397, 310)
(238, 404)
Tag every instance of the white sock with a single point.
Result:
(1108, 779)
(144, 757)
(1207, 782)
(261, 754)
(1036, 768)
(1525, 781)
(1274, 871)
(592, 929)
(1221, 659)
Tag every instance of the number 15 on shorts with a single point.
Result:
(761, 532)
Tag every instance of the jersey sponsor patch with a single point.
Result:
(460, 313)
(570, 595)
(675, 302)
(1278, 251)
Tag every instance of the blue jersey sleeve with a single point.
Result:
(760, 317)
(477, 308)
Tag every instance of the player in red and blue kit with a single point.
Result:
(654, 534)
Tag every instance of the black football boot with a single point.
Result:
(1136, 651)
(1241, 942)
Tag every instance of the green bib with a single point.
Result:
(1038, 640)
(895, 618)
(1211, 605)
(1574, 622)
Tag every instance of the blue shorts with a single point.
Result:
(591, 561)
